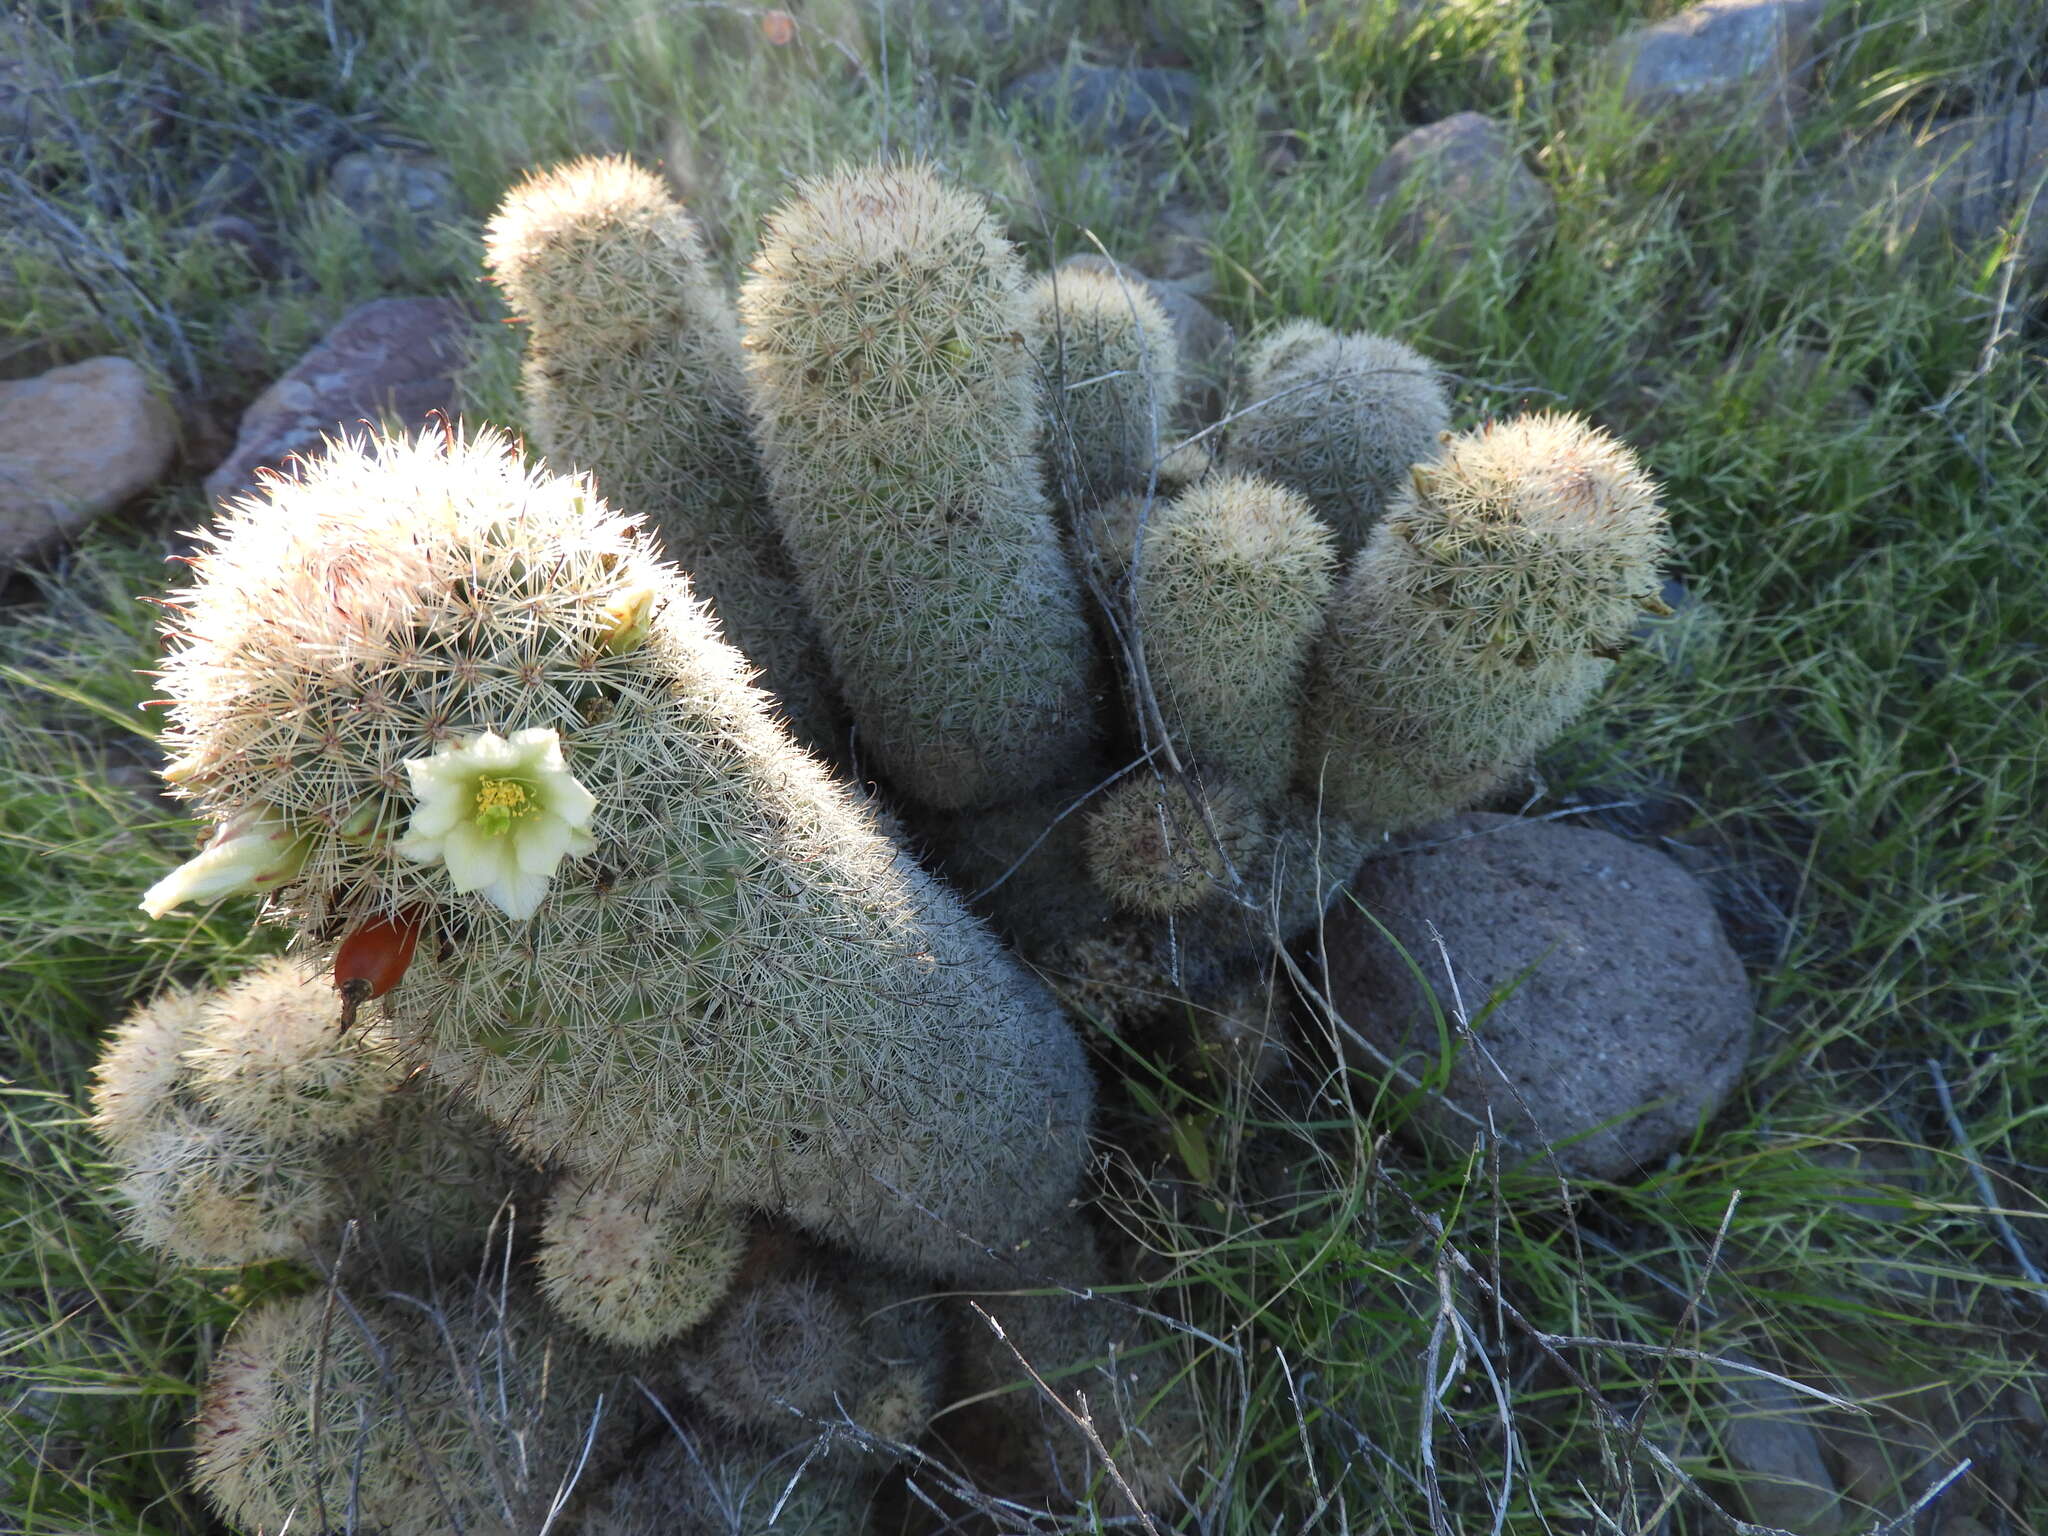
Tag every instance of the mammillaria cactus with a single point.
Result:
(1229, 592)
(633, 1273)
(1109, 372)
(1480, 617)
(325, 1414)
(885, 318)
(1339, 418)
(655, 941)
(633, 375)
(248, 1128)
(1157, 848)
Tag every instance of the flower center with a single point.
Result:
(500, 803)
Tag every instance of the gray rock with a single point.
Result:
(1459, 186)
(1771, 1445)
(76, 442)
(400, 199)
(1119, 107)
(391, 357)
(1966, 179)
(1720, 59)
(1623, 1017)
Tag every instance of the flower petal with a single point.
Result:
(476, 860)
(519, 895)
(541, 844)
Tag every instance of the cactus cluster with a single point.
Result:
(599, 952)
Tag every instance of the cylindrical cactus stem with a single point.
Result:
(631, 1272)
(324, 1414)
(266, 1057)
(1339, 418)
(137, 1084)
(1229, 594)
(1108, 369)
(1481, 616)
(207, 1194)
(656, 942)
(633, 375)
(885, 342)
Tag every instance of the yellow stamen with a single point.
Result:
(499, 803)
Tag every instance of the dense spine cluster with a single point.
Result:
(1480, 617)
(885, 322)
(740, 992)
(1229, 593)
(1108, 368)
(1339, 418)
(633, 375)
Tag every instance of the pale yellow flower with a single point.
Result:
(502, 813)
(254, 851)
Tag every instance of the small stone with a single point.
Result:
(1623, 1016)
(1720, 58)
(400, 199)
(1117, 107)
(390, 357)
(1459, 185)
(75, 443)
(1773, 1448)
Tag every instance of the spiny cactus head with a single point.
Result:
(595, 249)
(135, 1082)
(882, 293)
(1340, 418)
(633, 1273)
(266, 1057)
(1156, 849)
(249, 1435)
(446, 1412)
(786, 1347)
(1109, 363)
(1529, 540)
(207, 1194)
(1243, 530)
(1106, 317)
(359, 638)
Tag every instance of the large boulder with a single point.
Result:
(1610, 1015)
(1964, 179)
(391, 358)
(1115, 107)
(1720, 60)
(1458, 186)
(74, 443)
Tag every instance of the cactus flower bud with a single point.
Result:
(254, 851)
